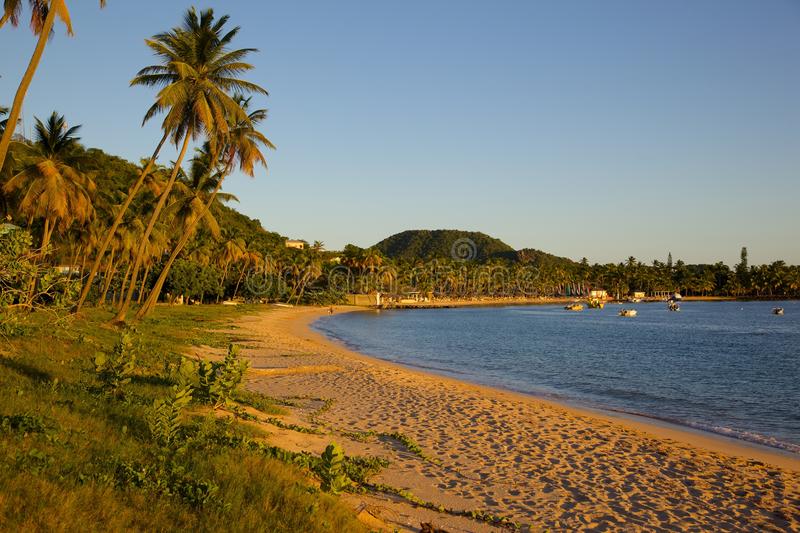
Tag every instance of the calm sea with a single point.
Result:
(727, 367)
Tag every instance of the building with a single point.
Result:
(639, 294)
(598, 294)
(298, 245)
(66, 269)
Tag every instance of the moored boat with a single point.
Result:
(627, 312)
(673, 306)
(777, 311)
(574, 307)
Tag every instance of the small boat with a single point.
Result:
(673, 306)
(596, 304)
(777, 311)
(574, 307)
(634, 300)
(627, 312)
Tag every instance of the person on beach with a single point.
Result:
(330, 311)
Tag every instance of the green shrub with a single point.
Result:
(331, 470)
(116, 368)
(169, 480)
(22, 424)
(216, 382)
(164, 417)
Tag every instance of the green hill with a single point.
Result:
(440, 244)
(542, 259)
(413, 245)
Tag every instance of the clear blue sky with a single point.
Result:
(583, 128)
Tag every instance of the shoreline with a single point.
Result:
(503, 302)
(659, 428)
(540, 463)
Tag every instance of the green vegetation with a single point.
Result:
(529, 273)
(150, 457)
(331, 468)
(116, 368)
(426, 245)
(215, 382)
(411, 445)
(475, 514)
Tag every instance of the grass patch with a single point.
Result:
(67, 443)
(261, 402)
(293, 427)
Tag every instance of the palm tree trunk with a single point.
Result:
(107, 282)
(224, 276)
(46, 232)
(302, 289)
(126, 303)
(83, 263)
(22, 90)
(134, 189)
(76, 251)
(144, 280)
(238, 282)
(125, 278)
(152, 298)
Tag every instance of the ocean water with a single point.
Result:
(727, 367)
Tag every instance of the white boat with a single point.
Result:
(777, 311)
(627, 312)
(673, 306)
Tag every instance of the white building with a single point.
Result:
(299, 245)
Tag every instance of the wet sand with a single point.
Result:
(543, 464)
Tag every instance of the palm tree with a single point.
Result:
(4, 122)
(317, 247)
(51, 188)
(242, 147)
(311, 271)
(5, 169)
(252, 259)
(144, 176)
(196, 73)
(43, 16)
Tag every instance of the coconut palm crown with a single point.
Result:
(198, 74)
(49, 184)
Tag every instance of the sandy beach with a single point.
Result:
(542, 464)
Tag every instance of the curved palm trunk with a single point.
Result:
(238, 282)
(134, 189)
(162, 200)
(302, 289)
(125, 279)
(144, 280)
(152, 298)
(109, 274)
(22, 90)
